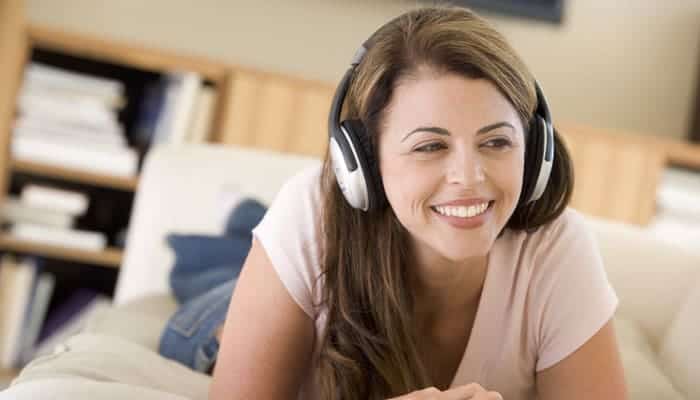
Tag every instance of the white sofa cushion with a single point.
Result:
(97, 366)
(145, 318)
(680, 349)
(643, 373)
(652, 278)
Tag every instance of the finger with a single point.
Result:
(464, 392)
(427, 393)
(494, 396)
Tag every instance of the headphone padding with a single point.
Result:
(533, 159)
(358, 134)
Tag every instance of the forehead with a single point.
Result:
(447, 100)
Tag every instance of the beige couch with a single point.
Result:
(188, 189)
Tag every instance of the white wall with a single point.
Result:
(623, 64)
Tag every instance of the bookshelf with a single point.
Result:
(110, 257)
(110, 195)
(74, 175)
(64, 48)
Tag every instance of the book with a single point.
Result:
(13, 211)
(83, 111)
(16, 279)
(122, 162)
(174, 119)
(77, 133)
(68, 319)
(57, 78)
(201, 123)
(42, 291)
(111, 101)
(60, 200)
(74, 238)
(149, 112)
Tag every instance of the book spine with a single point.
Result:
(56, 77)
(79, 239)
(15, 211)
(119, 162)
(67, 201)
(175, 117)
(202, 119)
(65, 132)
(21, 280)
(37, 314)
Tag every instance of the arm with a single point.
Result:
(594, 371)
(267, 338)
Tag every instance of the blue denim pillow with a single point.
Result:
(244, 217)
(203, 262)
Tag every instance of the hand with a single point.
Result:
(472, 391)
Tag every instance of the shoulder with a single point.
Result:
(566, 264)
(562, 250)
(569, 228)
(568, 232)
(289, 235)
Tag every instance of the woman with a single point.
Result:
(453, 285)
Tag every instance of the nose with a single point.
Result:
(465, 168)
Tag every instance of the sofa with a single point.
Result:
(189, 189)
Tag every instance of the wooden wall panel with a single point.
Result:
(276, 112)
(615, 177)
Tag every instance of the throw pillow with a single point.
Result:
(203, 262)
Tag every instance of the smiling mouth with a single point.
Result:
(465, 212)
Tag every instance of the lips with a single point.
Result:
(464, 202)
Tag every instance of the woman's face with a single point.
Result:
(451, 155)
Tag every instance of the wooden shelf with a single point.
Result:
(684, 154)
(91, 46)
(679, 152)
(101, 180)
(111, 257)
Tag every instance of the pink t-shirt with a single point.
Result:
(545, 293)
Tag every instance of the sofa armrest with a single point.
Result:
(652, 277)
(680, 353)
(139, 320)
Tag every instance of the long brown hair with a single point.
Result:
(369, 350)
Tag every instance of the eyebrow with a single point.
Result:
(443, 131)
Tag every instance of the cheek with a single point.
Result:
(508, 178)
(406, 185)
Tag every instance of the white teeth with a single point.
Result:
(462, 211)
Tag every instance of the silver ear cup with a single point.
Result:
(547, 161)
(351, 183)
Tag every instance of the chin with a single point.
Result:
(457, 252)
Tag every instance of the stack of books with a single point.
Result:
(25, 293)
(47, 215)
(71, 120)
(28, 327)
(176, 109)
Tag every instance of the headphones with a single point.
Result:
(355, 165)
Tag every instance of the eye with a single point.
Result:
(499, 143)
(430, 147)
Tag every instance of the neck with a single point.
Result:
(442, 289)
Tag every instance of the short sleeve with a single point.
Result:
(571, 297)
(288, 233)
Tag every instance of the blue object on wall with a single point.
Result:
(544, 10)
